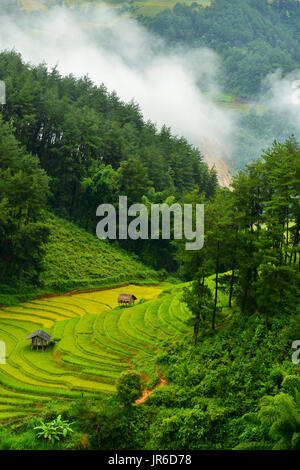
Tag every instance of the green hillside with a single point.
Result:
(77, 259)
(253, 38)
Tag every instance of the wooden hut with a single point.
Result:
(125, 299)
(39, 339)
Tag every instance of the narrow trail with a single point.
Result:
(88, 291)
(147, 393)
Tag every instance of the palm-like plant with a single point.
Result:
(54, 430)
(281, 416)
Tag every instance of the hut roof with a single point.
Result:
(41, 334)
(126, 297)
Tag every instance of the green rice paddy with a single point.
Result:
(94, 341)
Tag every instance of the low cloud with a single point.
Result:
(176, 87)
(173, 86)
(282, 95)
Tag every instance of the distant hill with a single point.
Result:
(144, 7)
(253, 37)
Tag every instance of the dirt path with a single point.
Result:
(88, 291)
(147, 393)
(80, 291)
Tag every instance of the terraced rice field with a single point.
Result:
(94, 341)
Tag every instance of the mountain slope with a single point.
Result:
(253, 38)
(75, 258)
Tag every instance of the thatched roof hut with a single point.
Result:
(39, 338)
(127, 299)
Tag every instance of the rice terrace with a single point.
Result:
(93, 339)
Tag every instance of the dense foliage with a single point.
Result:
(237, 389)
(93, 147)
(38, 250)
(215, 397)
(23, 194)
(129, 387)
(91, 144)
(253, 233)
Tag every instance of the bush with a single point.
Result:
(129, 387)
(276, 377)
(291, 385)
(153, 383)
(54, 430)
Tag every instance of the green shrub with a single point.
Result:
(153, 383)
(54, 430)
(129, 387)
(291, 385)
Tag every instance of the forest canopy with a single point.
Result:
(87, 148)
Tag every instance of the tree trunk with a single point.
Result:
(295, 244)
(217, 285)
(245, 295)
(267, 320)
(231, 288)
(287, 238)
(196, 330)
(233, 268)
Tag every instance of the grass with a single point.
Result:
(77, 259)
